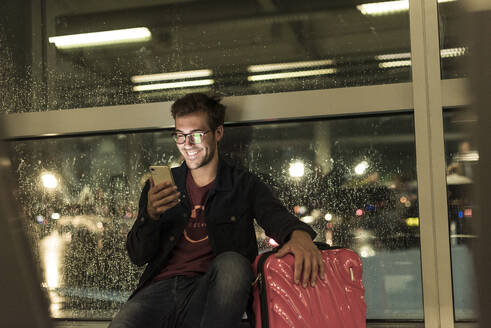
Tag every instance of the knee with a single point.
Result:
(233, 269)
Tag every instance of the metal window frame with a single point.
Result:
(430, 162)
(426, 95)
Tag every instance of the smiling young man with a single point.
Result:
(197, 237)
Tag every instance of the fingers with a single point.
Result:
(307, 268)
(159, 202)
(167, 206)
(322, 268)
(298, 268)
(282, 251)
(314, 271)
(161, 197)
(154, 189)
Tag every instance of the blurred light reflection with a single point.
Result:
(51, 250)
(49, 180)
(297, 169)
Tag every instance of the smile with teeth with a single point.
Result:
(192, 154)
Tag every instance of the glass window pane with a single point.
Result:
(232, 48)
(461, 157)
(454, 46)
(353, 179)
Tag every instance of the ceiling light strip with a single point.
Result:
(173, 85)
(130, 35)
(288, 75)
(397, 63)
(387, 7)
(291, 65)
(171, 76)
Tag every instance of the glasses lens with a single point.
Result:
(196, 138)
(179, 138)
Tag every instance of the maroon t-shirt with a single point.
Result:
(192, 254)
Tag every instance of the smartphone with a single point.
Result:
(161, 174)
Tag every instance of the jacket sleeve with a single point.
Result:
(143, 239)
(272, 216)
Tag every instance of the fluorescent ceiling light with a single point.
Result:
(292, 65)
(387, 7)
(444, 53)
(171, 76)
(129, 35)
(403, 55)
(172, 85)
(287, 75)
(397, 63)
(453, 52)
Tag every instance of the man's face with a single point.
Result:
(197, 155)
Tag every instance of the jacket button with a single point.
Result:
(233, 219)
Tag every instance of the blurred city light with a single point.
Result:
(328, 217)
(51, 248)
(308, 219)
(301, 210)
(55, 216)
(361, 168)
(359, 212)
(366, 251)
(412, 222)
(49, 180)
(297, 169)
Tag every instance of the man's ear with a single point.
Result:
(219, 133)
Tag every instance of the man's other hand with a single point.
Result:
(308, 258)
(161, 197)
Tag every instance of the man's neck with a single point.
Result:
(206, 174)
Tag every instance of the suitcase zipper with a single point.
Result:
(262, 289)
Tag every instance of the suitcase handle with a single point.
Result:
(320, 245)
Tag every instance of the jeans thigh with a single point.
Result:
(153, 306)
(219, 297)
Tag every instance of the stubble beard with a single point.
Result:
(208, 156)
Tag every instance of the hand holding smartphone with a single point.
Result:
(161, 197)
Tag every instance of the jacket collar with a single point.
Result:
(223, 180)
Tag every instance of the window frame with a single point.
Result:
(426, 96)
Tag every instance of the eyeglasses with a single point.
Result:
(194, 137)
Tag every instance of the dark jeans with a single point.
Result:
(215, 299)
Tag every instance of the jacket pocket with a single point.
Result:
(231, 232)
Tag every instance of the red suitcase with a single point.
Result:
(336, 302)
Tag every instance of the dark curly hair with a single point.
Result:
(199, 102)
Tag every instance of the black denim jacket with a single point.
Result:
(236, 198)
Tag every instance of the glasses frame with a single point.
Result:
(191, 135)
